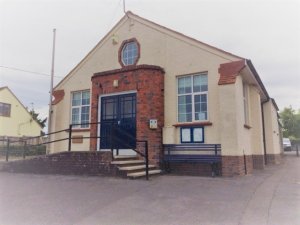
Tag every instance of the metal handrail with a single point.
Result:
(145, 155)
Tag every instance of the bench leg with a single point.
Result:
(167, 167)
(214, 169)
(218, 169)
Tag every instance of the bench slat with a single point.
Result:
(170, 152)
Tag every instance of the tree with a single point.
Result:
(35, 116)
(291, 123)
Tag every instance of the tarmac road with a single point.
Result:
(267, 197)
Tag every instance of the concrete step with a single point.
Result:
(130, 168)
(143, 173)
(127, 162)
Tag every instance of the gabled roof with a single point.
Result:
(130, 15)
(236, 61)
(5, 87)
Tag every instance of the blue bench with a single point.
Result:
(193, 153)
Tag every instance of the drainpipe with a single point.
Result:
(264, 132)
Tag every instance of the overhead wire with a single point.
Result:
(27, 71)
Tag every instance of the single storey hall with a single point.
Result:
(159, 85)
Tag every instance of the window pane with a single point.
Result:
(5, 109)
(188, 85)
(196, 83)
(200, 104)
(186, 135)
(203, 82)
(180, 86)
(130, 53)
(85, 98)
(198, 134)
(75, 116)
(200, 83)
(184, 85)
(109, 110)
(76, 99)
(185, 108)
(85, 116)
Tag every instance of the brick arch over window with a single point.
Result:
(124, 43)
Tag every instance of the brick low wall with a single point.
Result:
(237, 165)
(258, 161)
(192, 169)
(90, 163)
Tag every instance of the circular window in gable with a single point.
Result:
(130, 52)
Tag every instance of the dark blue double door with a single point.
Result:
(118, 122)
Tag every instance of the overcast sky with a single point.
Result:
(265, 31)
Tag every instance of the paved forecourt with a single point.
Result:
(271, 196)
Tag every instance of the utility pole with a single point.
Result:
(124, 6)
(51, 87)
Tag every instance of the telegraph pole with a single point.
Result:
(124, 9)
(51, 86)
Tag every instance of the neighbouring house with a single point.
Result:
(165, 87)
(15, 120)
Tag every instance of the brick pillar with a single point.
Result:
(237, 165)
(148, 82)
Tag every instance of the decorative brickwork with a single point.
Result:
(148, 82)
(274, 158)
(236, 165)
(229, 71)
(90, 163)
(58, 96)
(258, 161)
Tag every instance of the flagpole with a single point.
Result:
(51, 88)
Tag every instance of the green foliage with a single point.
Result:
(291, 123)
(35, 116)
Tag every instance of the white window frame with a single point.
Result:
(134, 57)
(193, 94)
(80, 109)
(246, 104)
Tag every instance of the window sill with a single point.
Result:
(193, 124)
(247, 126)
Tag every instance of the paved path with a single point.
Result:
(268, 197)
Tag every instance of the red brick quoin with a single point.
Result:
(148, 82)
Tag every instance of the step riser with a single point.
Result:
(131, 164)
(130, 168)
(137, 170)
(124, 159)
